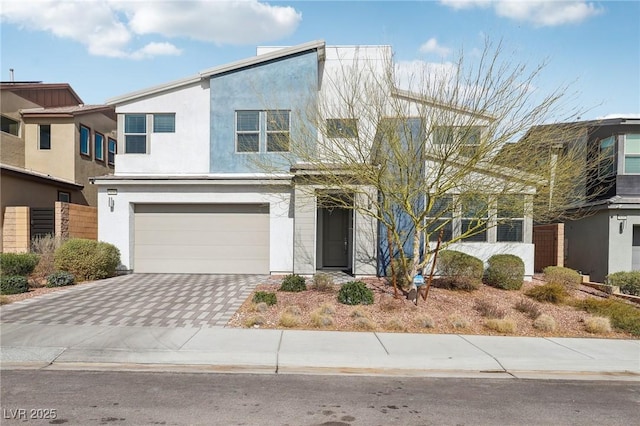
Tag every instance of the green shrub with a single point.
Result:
(629, 282)
(561, 275)
(355, 293)
(623, 316)
(505, 271)
(87, 259)
(264, 297)
(60, 279)
(459, 270)
(552, 293)
(18, 263)
(13, 284)
(293, 283)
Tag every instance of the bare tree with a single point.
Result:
(435, 157)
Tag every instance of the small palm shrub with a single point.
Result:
(552, 293)
(355, 293)
(545, 323)
(87, 259)
(264, 297)
(505, 271)
(629, 282)
(322, 282)
(561, 275)
(18, 263)
(293, 283)
(13, 284)
(623, 316)
(597, 325)
(60, 279)
(459, 271)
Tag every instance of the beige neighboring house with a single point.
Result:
(50, 144)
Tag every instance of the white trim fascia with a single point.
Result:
(318, 44)
(214, 179)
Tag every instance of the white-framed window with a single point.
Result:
(112, 147)
(632, 153)
(247, 131)
(607, 157)
(135, 134)
(346, 128)
(44, 136)
(441, 219)
(474, 218)
(278, 125)
(510, 227)
(164, 123)
(262, 131)
(9, 125)
(98, 148)
(85, 140)
(467, 138)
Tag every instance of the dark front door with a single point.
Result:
(335, 238)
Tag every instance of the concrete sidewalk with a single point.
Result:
(96, 347)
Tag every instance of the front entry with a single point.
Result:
(336, 241)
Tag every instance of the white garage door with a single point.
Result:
(201, 238)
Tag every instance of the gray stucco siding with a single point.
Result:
(290, 83)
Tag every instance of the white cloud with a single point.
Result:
(432, 46)
(421, 76)
(635, 115)
(109, 27)
(543, 13)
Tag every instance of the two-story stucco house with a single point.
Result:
(187, 197)
(50, 144)
(606, 239)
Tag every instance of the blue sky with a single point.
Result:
(106, 48)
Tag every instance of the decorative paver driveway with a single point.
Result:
(158, 300)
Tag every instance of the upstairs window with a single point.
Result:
(465, 138)
(85, 135)
(632, 153)
(64, 196)
(111, 151)
(135, 134)
(10, 126)
(99, 146)
(510, 218)
(247, 131)
(607, 157)
(277, 131)
(44, 136)
(164, 123)
(346, 128)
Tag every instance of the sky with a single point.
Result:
(107, 48)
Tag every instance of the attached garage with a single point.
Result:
(201, 238)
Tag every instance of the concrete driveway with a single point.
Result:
(145, 300)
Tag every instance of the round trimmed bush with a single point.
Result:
(264, 297)
(87, 259)
(629, 282)
(563, 276)
(293, 283)
(505, 271)
(13, 284)
(60, 279)
(355, 293)
(18, 263)
(459, 271)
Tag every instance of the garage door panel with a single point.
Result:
(204, 238)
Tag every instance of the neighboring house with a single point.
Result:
(187, 197)
(50, 144)
(606, 238)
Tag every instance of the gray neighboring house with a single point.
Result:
(608, 239)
